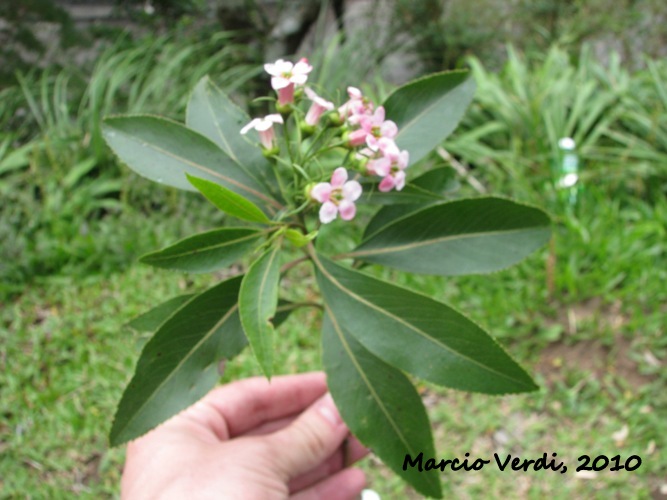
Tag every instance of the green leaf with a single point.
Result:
(438, 181)
(179, 365)
(478, 235)
(427, 188)
(164, 151)
(258, 300)
(379, 404)
(207, 251)
(17, 158)
(417, 334)
(427, 110)
(151, 320)
(228, 201)
(298, 239)
(410, 194)
(213, 114)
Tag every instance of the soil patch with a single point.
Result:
(594, 357)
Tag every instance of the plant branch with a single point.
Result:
(461, 170)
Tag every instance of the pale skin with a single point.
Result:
(250, 439)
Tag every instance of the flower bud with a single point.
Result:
(306, 130)
(269, 152)
(284, 109)
(308, 189)
(334, 119)
(359, 163)
(298, 93)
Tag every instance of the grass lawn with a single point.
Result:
(589, 326)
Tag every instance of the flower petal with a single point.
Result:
(354, 93)
(302, 67)
(403, 159)
(372, 142)
(380, 166)
(378, 116)
(299, 79)
(399, 179)
(275, 118)
(272, 69)
(357, 138)
(388, 148)
(387, 184)
(388, 129)
(339, 177)
(279, 82)
(347, 210)
(263, 125)
(351, 191)
(321, 192)
(253, 123)
(328, 212)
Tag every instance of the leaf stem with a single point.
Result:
(293, 264)
(297, 305)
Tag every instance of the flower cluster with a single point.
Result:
(357, 124)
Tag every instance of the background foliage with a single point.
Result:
(586, 315)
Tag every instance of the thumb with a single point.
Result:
(309, 440)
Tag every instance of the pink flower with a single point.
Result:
(377, 127)
(356, 107)
(388, 162)
(265, 128)
(337, 197)
(285, 75)
(318, 107)
(357, 138)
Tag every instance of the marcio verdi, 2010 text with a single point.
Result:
(509, 463)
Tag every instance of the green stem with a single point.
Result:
(297, 305)
(293, 264)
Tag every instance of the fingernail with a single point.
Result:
(328, 410)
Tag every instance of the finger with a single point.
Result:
(349, 452)
(345, 485)
(248, 403)
(309, 440)
(272, 426)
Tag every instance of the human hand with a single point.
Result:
(250, 439)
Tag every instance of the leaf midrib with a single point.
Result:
(203, 169)
(362, 374)
(201, 250)
(408, 325)
(262, 285)
(433, 241)
(411, 122)
(252, 214)
(229, 149)
(180, 364)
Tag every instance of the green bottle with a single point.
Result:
(567, 171)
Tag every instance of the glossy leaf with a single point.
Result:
(410, 194)
(207, 251)
(428, 187)
(258, 300)
(439, 182)
(378, 403)
(152, 319)
(164, 151)
(228, 201)
(417, 334)
(427, 110)
(469, 236)
(179, 365)
(298, 239)
(212, 113)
